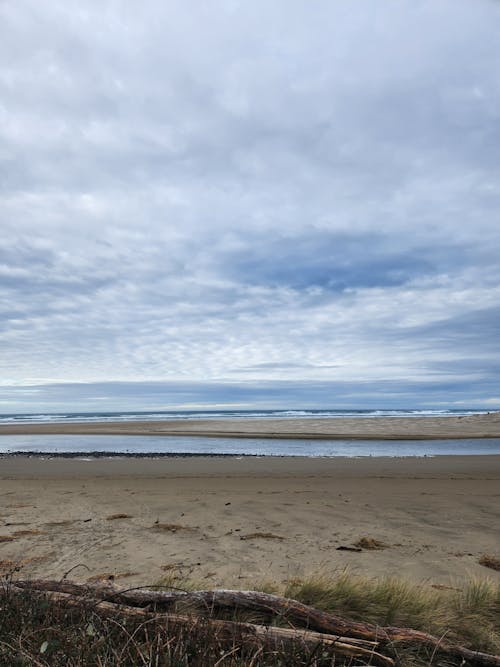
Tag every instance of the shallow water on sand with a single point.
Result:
(144, 445)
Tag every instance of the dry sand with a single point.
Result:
(389, 428)
(232, 520)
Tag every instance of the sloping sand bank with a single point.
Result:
(232, 520)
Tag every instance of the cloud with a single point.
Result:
(153, 396)
(250, 193)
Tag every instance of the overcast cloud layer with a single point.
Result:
(285, 203)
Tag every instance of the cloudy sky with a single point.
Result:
(274, 204)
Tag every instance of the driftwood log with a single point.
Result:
(225, 631)
(316, 625)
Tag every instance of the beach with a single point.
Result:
(232, 521)
(388, 428)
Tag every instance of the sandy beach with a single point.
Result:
(235, 520)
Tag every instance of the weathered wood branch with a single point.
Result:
(290, 610)
(225, 631)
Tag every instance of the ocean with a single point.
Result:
(64, 417)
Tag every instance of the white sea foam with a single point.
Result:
(68, 417)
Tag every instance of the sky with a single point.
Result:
(249, 204)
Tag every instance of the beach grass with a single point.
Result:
(468, 613)
(36, 631)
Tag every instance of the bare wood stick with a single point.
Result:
(292, 610)
(274, 605)
(225, 630)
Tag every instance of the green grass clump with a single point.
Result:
(385, 601)
(469, 615)
(475, 615)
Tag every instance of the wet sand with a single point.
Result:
(235, 520)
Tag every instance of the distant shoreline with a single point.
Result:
(99, 454)
(325, 428)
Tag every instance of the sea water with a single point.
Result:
(71, 417)
(139, 445)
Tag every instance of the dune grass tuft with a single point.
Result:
(469, 614)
